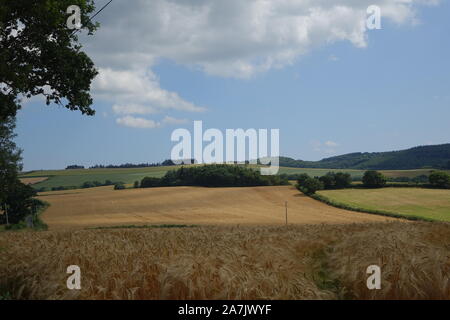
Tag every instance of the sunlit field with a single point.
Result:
(190, 205)
(428, 203)
(294, 262)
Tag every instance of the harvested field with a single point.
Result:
(33, 180)
(191, 205)
(293, 262)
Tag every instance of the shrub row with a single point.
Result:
(85, 185)
(218, 175)
(331, 180)
(371, 179)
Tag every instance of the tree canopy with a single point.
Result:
(373, 179)
(40, 55)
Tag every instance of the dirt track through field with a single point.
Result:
(190, 205)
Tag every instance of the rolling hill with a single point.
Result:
(436, 156)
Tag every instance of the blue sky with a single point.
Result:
(335, 99)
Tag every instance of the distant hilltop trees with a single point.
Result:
(74, 166)
(435, 156)
(165, 163)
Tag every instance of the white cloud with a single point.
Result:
(233, 38)
(142, 123)
(228, 38)
(137, 92)
(134, 122)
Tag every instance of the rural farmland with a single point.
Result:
(239, 152)
(319, 261)
(428, 203)
(76, 177)
(104, 206)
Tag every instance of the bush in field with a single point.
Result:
(60, 188)
(98, 183)
(342, 180)
(440, 179)
(119, 186)
(88, 184)
(136, 184)
(373, 179)
(309, 185)
(328, 180)
(339, 180)
(214, 176)
(302, 177)
(150, 182)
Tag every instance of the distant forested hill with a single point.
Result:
(437, 156)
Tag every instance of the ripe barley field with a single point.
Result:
(321, 261)
(104, 206)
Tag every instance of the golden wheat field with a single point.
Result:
(190, 205)
(223, 262)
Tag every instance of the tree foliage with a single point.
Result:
(15, 197)
(218, 175)
(373, 179)
(9, 156)
(309, 185)
(440, 179)
(436, 156)
(338, 180)
(40, 55)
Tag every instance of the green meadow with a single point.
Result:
(420, 202)
(77, 177)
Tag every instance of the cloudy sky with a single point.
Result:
(310, 68)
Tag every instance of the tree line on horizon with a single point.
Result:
(422, 157)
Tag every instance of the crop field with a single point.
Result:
(428, 203)
(190, 205)
(32, 181)
(221, 262)
(76, 177)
